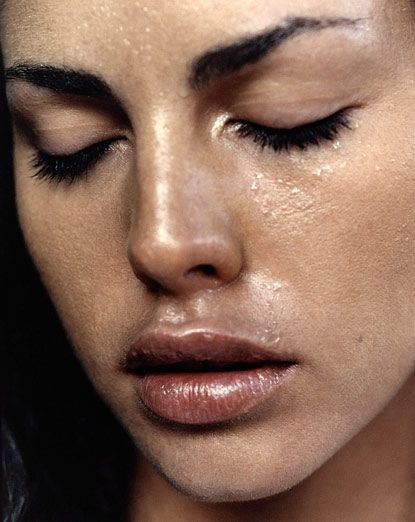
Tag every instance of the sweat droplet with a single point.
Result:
(325, 169)
(183, 92)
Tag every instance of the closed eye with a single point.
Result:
(71, 167)
(302, 137)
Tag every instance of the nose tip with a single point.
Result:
(183, 267)
(182, 236)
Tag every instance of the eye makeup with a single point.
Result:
(69, 168)
(301, 137)
(72, 167)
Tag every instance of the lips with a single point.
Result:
(203, 377)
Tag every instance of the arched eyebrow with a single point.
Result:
(61, 80)
(210, 67)
(224, 61)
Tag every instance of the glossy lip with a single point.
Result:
(204, 377)
(157, 349)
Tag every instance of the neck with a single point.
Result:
(371, 478)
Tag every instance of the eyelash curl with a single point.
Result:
(68, 168)
(72, 167)
(283, 140)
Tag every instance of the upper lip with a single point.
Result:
(194, 349)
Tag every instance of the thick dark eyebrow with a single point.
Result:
(61, 80)
(211, 66)
(223, 61)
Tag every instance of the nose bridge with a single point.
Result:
(152, 199)
(166, 181)
(180, 236)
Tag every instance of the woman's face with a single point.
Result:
(183, 217)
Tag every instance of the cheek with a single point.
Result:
(341, 241)
(340, 247)
(339, 235)
(78, 241)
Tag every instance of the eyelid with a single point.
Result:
(77, 143)
(70, 167)
(283, 140)
(287, 115)
(69, 141)
(293, 128)
(66, 130)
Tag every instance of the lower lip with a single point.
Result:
(209, 397)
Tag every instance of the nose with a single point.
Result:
(182, 239)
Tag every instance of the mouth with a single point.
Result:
(201, 367)
(201, 377)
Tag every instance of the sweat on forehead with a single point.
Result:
(214, 64)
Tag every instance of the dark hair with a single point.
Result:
(64, 457)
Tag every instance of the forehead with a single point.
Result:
(99, 30)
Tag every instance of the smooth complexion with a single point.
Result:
(309, 250)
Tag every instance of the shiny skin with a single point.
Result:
(312, 250)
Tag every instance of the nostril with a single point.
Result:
(206, 270)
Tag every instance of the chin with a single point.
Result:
(237, 479)
(241, 489)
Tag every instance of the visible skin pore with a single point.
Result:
(314, 248)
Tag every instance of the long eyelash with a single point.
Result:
(68, 168)
(301, 138)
